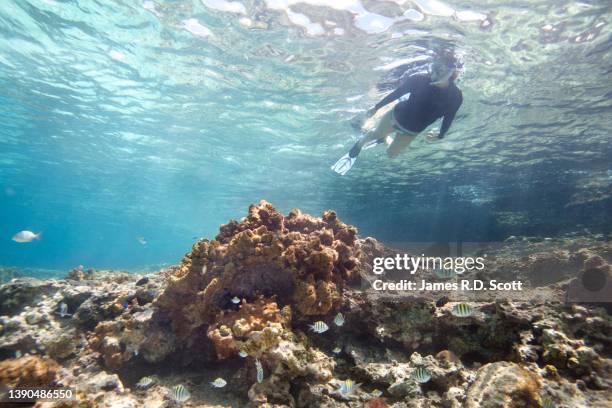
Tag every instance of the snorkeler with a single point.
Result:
(423, 98)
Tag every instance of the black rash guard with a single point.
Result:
(425, 105)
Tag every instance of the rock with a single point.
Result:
(33, 318)
(142, 281)
(137, 335)
(98, 307)
(59, 347)
(29, 371)
(504, 385)
(19, 292)
(74, 296)
(397, 377)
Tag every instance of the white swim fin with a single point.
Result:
(344, 164)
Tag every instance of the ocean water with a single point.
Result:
(122, 119)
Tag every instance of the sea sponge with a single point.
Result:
(28, 371)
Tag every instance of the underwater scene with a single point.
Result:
(306, 203)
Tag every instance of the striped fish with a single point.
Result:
(218, 383)
(443, 273)
(243, 353)
(319, 327)
(339, 320)
(337, 350)
(259, 368)
(348, 387)
(421, 375)
(144, 383)
(179, 393)
(376, 393)
(547, 403)
(63, 310)
(462, 310)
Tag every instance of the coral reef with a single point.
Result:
(246, 299)
(28, 371)
(254, 328)
(504, 385)
(301, 261)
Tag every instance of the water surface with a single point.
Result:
(163, 119)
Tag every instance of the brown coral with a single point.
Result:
(378, 402)
(28, 371)
(254, 328)
(298, 260)
(105, 340)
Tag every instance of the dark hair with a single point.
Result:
(447, 58)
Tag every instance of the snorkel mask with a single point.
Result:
(441, 72)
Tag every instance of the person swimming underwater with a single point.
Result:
(423, 98)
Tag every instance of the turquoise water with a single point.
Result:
(163, 119)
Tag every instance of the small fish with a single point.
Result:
(125, 304)
(142, 240)
(462, 310)
(337, 350)
(319, 327)
(259, 368)
(179, 393)
(443, 273)
(235, 300)
(243, 354)
(63, 310)
(144, 383)
(348, 386)
(339, 319)
(376, 393)
(442, 301)
(26, 236)
(547, 403)
(421, 375)
(18, 354)
(218, 383)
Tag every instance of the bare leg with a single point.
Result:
(400, 143)
(383, 128)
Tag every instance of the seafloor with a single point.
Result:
(258, 286)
